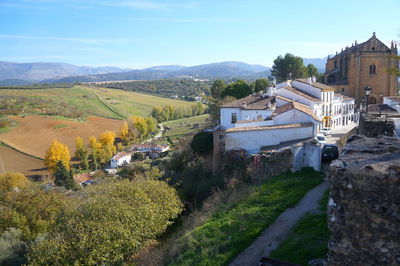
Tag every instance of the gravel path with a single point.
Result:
(279, 230)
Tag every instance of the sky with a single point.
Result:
(144, 33)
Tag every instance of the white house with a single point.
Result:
(120, 159)
(393, 101)
(254, 122)
(333, 109)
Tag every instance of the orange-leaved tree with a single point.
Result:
(57, 152)
(108, 148)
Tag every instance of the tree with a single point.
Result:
(287, 67)
(238, 89)
(9, 180)
(312, 71)
(63, 177)
(215, 106)
(108, 148)
(95, 146)
(217, 88)
(107, 138)
(33, 212)
(261, 85)
(202, 143)
(57, 152)
(95, 233)
(80, 148)
(124, 132)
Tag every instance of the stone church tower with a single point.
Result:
(365, 64)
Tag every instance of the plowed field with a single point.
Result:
(35, 133)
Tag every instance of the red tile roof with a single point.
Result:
(296, 125)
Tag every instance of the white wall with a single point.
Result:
(307, 88)
(294, 96)
(255, 114)
(295, 116)
(392, 103)
(226, 116)
(253, 140)
(255, 124)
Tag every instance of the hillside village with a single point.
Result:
(259, 171)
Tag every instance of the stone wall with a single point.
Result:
(372, 126)
(364, 204)
(270, 163)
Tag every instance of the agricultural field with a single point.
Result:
(14, 161)
(35, 133)
(132, 103)
(186, 126)
(75, 102)
(81, 101)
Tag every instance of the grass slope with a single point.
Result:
(184, 127)
(133, 103)
(308, 239)
(112, 104)
(230, 231)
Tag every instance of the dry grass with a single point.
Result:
(14, 161)
(35, 133)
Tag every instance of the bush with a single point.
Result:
(202, 143)
(9, 181)
(12, 248)
(113, 222)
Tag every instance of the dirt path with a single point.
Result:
(279, 230)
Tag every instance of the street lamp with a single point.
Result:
(367, 93)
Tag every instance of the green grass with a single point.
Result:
(228, 232)
(308, 239)
(184, 127)
(60, 126)
(132, 103)
(81, 101)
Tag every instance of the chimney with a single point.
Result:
(314, 79)
(288, 83)
(269, 105)
(274, 81)
(244, 105)
(309, 80)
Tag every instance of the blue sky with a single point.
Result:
(142, 33)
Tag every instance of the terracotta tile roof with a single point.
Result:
(297, 125)
(303, 94)
(315, 84)
(253, 102)
(298, 106)
(82, 177)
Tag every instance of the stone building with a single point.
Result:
(361, 65)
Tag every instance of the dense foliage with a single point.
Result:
(57, 152)
(169, 112)
(102, 224)
(8, 181)
(202, 143)
(186, 88)
(112, 221)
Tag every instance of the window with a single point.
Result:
(335, 64)
(342, 89)
(372, 69)
(234, 118)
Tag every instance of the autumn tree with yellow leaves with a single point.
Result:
(57, 152)
(124, 133)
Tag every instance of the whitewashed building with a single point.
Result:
(333, 109)
(120, 159)
(254, 122)
(393, 101)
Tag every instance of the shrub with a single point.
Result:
(112, 222)
(202, 143)
(9, 181)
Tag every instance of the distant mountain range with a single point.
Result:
(27, 73)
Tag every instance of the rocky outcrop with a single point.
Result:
(364, 204)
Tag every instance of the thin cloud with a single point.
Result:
(78, 40)
(152, 5)
(180, 20)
